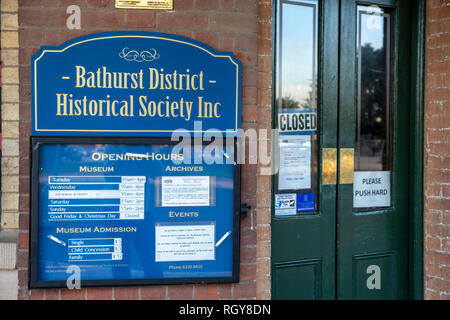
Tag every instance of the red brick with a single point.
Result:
(432, 295)
(177, 20)
(30, 38)
(141, 19)
(65, 35)
(52, 294)
(24, 221)
(437, 230)
(438, 13)
(73, 294)
(24, 203)
(437, 136)
(25, 55)
(433, 243)
(234, 22)
(183, 4)
(435, 81)
(226, 5)
(206, 292)
(438, 40)
(247, 6)
(249, 113)
(248, 254)
(265, 12)
(244, 290)
(22, 278)
(180, 292)
(433, 270)
(247, 272)
(24, 77)
(437, 257)
(207, 4)
(23, 240)
(433, 218)
(67, 3)
(249, 77)
(210, 38)
(226, 41)
(440, 94)
(247, 58)
(246, 42)
(435, 27)
(249, 95)
(50, 38)
(442, 149)
(438, 175)
(30, 3)
(126, 293)
(100, 4)
(226, 291)
(438, 284)
(36, 295)
(445, 272)
(99, 293)
(103, 18)
(43, 17)
(153, 293)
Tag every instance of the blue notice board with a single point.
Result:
(131, 214)
(134, 83)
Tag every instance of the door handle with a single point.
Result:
(329, 166)
(346, 165)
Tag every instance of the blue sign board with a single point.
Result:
(125, 213)
(111, 195)
(132, 83)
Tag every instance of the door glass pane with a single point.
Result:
(296, 183)
(373, 136)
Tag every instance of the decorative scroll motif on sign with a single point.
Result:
(133, 55)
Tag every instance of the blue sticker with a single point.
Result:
(306, 202)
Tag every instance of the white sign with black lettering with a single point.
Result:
(302, 121)
(185, 191)
(174, 242)
(371, 189)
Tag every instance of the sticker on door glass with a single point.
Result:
(285, 204)
(371, 189)
(306, 202)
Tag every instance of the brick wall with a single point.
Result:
(229, 25)
(437, 151)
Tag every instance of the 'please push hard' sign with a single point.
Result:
(134, 84)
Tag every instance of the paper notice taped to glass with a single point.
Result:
(184, 242)
(185, 191)
(295, 162)
(372, 189)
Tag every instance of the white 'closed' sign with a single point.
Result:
(371, 189)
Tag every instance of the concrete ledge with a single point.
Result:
(8, 256)
(8, 284)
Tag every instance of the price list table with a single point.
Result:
(96, 198)
(102, 249)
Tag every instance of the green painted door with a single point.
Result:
(340, 194)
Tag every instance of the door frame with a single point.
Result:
(416, 161)
(416, 158)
